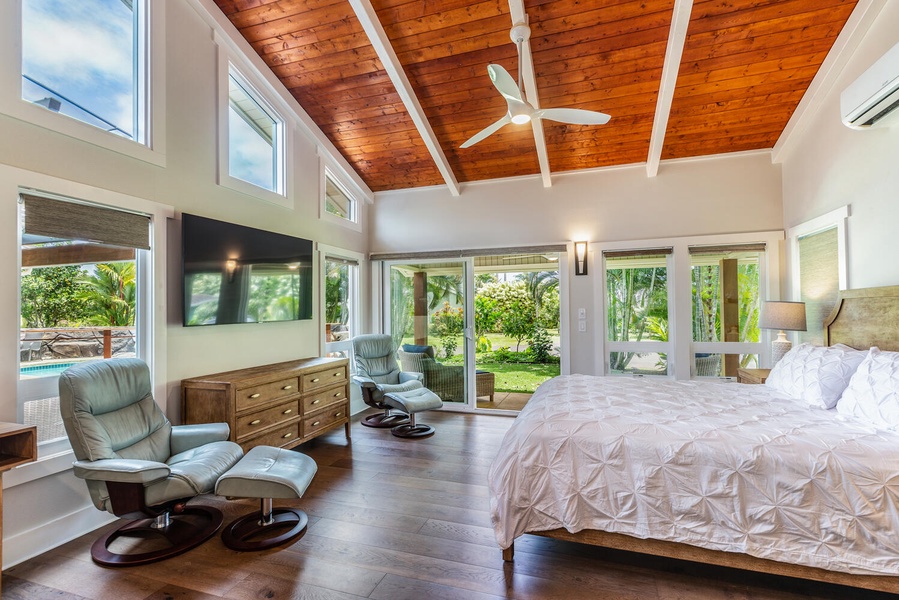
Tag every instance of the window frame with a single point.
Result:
(680, 318)
(355, 297)
(261, 93)
(328, 171)
(150, 143)
(56, 456)
(647, 346)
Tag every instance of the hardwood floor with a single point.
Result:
(397, 519)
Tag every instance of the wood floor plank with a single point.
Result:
(398, 519)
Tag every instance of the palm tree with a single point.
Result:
(110, 293)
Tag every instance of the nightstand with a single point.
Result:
(752, 375)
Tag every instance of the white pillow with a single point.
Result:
(873, 392)
(816, 374)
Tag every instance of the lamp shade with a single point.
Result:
(783, 316)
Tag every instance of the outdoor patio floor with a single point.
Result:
(505, 401)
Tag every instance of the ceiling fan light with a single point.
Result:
(521, 118)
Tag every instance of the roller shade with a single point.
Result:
(633, 253)
(726, 249)
(75, 221)
(464, 253)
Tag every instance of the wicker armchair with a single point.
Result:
(447, 381)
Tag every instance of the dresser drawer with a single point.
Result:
(322, 399)
(324, 378)
(261, 394)
(263, 419)
(281, 436)
(324, 419)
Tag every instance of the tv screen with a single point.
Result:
(237, 274)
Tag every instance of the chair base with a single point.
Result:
(180, 534)
(240, 533)
(384, 420)
(412, 430)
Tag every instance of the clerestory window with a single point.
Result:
(87, 60)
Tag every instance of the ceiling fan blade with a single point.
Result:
(486, 131)
(504, 82)
(574, 116)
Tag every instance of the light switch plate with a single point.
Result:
(582, 325)
(582, 313)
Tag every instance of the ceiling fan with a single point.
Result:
(519, 110)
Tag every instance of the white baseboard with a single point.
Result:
(49, 535)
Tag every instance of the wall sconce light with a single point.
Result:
(580, 258)
(230, 267)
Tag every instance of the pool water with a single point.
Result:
(45, 370)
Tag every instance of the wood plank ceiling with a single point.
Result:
(745, 66)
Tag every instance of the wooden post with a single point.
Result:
(420, 307)
(730, 312)
(107, 343)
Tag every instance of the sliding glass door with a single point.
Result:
(485, 331)
(427, 321)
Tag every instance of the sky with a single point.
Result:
(84, 50)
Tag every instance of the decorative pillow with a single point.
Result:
(873, 391)
(816, 374)
(429, 350)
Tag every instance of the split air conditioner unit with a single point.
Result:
(870, 99)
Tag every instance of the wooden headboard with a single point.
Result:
(865, 317)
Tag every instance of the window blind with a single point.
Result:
(464, 253)
(75, 221)
(726, 249)
(641, 252)
(342, 261)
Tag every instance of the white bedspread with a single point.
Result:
(723, 466)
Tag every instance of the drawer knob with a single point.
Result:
(316, 423)
(338, 394)
(287, 412)
(337, 414)
(256, 422)
(316, 401)
(338, 373)
(315, 380)
(286, 435)
(287, 387)
(255, 395)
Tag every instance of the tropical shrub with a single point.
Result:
(540, 345)
(448, 323)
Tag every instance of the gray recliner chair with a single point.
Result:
(384, 386)
(136, 464)
(377, 373)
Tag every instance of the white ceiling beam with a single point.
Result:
(516, 7)
(378, 38)
(677, 37)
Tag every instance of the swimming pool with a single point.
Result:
(52, 370)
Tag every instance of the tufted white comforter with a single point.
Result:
(723, 466)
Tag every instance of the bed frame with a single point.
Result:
(861, 318)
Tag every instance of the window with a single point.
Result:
(341, 304)
(87, 60)
(725, 288)
(637, 311)
(338, 201)
(255, 132)
(83, 269)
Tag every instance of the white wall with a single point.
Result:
(830, 166)
(42, 507)
(732, 194)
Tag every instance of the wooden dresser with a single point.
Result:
(283, 404)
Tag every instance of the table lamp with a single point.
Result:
(782, 316)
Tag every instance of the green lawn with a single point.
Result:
(518, 377)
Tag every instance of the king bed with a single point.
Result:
(799, 477)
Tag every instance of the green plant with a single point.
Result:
(483, 344)
(50, 297)
(448, 323)
(539, 345)
(110, 294)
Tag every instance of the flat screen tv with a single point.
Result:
(237, 274)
